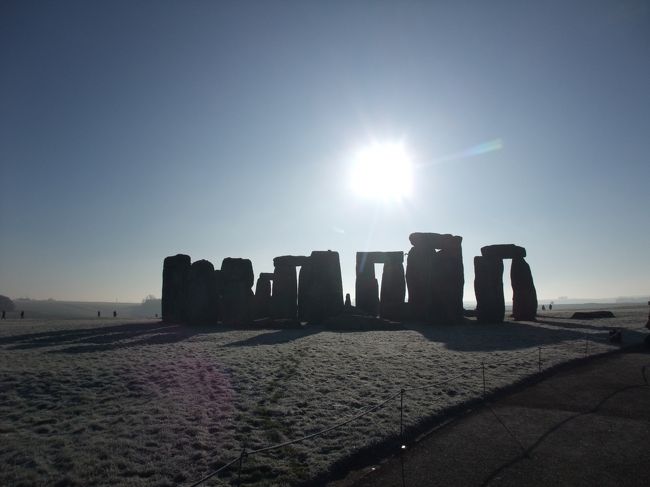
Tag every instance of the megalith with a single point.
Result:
(203, 298)
(503, 251)
(324, 287)
(175, 287)
(435, 278)
(393, 286)
(488, 287)
(262, 303)
(524, 295)
(366, 287)
(284, 299)
(237, 294)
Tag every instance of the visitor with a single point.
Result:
(98, 314)
(3, 314)
(114, 314)
(22, 315)
(543, 308)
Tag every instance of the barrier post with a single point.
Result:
(241, 461)
(483, 369)
(539, 359)
(401, 416)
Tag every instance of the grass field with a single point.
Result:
(118, 402)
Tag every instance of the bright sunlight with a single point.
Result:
(382, 171)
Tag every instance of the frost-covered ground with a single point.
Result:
(110, 402)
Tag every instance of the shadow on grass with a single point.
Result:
(471, 336)
(104, 338)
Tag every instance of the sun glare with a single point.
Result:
(382, 171)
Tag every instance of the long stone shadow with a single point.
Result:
(471, 336)
(104, 338)
(277, 337)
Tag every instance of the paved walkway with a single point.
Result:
(587, 426)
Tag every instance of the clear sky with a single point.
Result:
(133, 130)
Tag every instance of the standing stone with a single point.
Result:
(262, 307)
(524, 295)
(203, 298)
(393, 288)
(488, 287)
(237, 294)
(419, 269)
(285, 293)
(366, 286)
(175, 287)
(324, 294)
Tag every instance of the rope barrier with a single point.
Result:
(402, 392)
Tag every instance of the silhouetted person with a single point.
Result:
(98, 314)
(550, 306)
(3, 314)
(114, 314)
(22, 315)
(543, 308)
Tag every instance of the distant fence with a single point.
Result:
(582, 348)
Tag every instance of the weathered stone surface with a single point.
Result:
(435, 282)
(393, 290)
(503, 251)
(203, 298)
(434, 241)
(324, 287)
(366, 285)
(304, 277)
(267, 275)
(285, 293)
(175, 287)
(262, 302)
(237, 295)
(488, 287)
(524, 295)
(291, 260)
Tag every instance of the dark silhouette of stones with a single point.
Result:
(237, 295)
(435, 241)
(435, 279)
(291, 260)
(323, 296)
(285, 292)
(503, 251)
(304, 277)
(366, 285)
(267, 275)
(524, 295)
(393, 289)
(262, 303)
(175, 288)
(592, 315)
(202, 294)
(488, 287)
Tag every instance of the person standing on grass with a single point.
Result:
(22, 315)
(114, 314)
(98, 314)
(3, 314)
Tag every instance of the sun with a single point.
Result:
(382, 171)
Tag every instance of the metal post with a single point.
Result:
(241, 461)
(539, 359)
(401, 415)
(483, 368)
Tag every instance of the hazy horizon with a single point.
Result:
(130, 131)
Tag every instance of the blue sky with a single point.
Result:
(130, 131)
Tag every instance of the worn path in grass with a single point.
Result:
(589, 425)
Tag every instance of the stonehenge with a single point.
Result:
(435, 278)
(196, 293)
(390, 303)
(488, 284)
